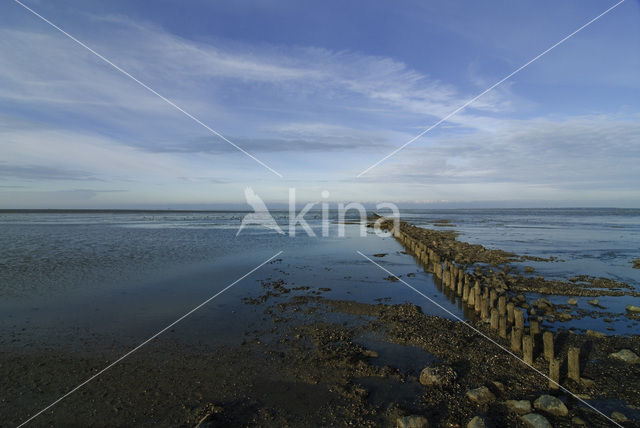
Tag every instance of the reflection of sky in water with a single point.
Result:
(75, 276)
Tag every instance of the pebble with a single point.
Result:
(632, 308)
(577, 421)
(619, 417)
(520, 407)
(534, 420)
(593, 302)
(551, 405)
(481, 395)
(572, 301)
(476, 422)
(437, 376)
(626, 355)
(413, 421)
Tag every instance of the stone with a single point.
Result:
(577, 421)
(437, 376)
(593, 302)
(413, 421)
(521, 407)
(498, 385)
(476, 422)
(481, 395)
(572, 301)
(619, 417)
(534, 420)
(632, 308)
(626, 355)
(370, 353)
(551, 405)
(543, 303)
(594, 333)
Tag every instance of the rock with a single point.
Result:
(632, 308)
(572, 301)
(577, 421)
(594, 333)
(413, 421)
(542, 303)
(481, 395)
(476, 422)
(369, 353)
(211, 419)
(619, 417)
(534, 420)
(520, 407)
(551, 405)
(437, 376)
(498, 385)
(594, 302)
(564, 316)
(626, 355)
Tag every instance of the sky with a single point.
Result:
(319, 92)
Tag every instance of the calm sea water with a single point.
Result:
(83, 278)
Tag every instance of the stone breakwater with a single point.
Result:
(484, 282)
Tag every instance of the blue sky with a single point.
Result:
(319, 91)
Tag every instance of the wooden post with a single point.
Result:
(472, 298)
(534, 327)
(516, 339)
(484, 308)
(554, 373)
(459, 284)
(573, 364)
(465, 293)
(503, 326)
(527, 349)
(502, 305)
(547, 342)
(493, 295)
(518, 317)
(478, 295)
(495, 319)
(510, 307)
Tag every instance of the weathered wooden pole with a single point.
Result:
(527, 349)
(495, 319)
(502, 305)
(516, 339)
(510, 307)
(573, 363)
(518, 316)
(503, 326)
(554, 373)
(547, 343)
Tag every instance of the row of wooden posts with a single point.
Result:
(495, 307)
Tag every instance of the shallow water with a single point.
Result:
(87, 279)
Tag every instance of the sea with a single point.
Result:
(87, 279)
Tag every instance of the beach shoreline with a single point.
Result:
(317, 360)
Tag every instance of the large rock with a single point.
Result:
(437, 376)
(594, 333)
(619, 417)
(476, 422)
(520, 407)
(481, 395)
(413, 421)
(572, 301)
(534, 420)
(632, 308)
(551, 405)
(626, 355)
